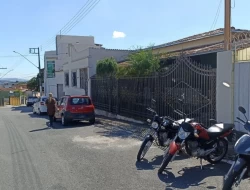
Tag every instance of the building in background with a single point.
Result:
(50, 84)
(81, 65)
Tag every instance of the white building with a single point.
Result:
(74, 62)
(50, 84)
(81, 65)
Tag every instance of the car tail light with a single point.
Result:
(42, 103)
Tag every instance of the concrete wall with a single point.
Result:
(241, 91)
(224, 95)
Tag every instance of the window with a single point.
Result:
(44, 99)
(80, 101)
(74, 78)
(66, 77)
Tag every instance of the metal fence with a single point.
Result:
(184, 78)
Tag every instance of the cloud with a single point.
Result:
(117, 34)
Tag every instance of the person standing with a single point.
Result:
(51, 108)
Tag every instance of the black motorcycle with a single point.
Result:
(163, 129)
(240, 169)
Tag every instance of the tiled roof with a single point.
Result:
(216, 32)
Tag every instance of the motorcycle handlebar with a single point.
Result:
(240, 120)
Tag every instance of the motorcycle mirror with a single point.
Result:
(226, 84)
(242, 110)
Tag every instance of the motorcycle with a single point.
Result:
(198, 141)
(240, 169)
(163, 129)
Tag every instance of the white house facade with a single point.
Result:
(82, 65)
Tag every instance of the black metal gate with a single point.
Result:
(184, 78)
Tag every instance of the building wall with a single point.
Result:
(241, 91)
(224, 95)
(87, 59)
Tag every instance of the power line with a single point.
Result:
(9, 56)
(82, 13)
(216, 15)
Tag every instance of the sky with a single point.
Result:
(116, 24)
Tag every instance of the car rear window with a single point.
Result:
(44, 99)
(80, 101)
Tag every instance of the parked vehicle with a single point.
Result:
(163, 129)
(75, 108)
(39, 106)
(240, 169)
(197, 141)
(31, 100)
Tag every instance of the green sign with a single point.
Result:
(50, 69)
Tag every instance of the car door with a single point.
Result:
(36, 105)
(60, 107)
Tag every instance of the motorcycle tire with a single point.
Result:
(140, 155)
(165, 163)
(229, 182)
(209, 159)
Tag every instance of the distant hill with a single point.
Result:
(3, 80)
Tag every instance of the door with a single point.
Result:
(60, 92)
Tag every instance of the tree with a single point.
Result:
(32, 84)
(142, 62)
(106, 67)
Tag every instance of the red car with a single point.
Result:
(75, 108)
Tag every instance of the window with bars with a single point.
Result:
(74, 78)
(66, 77)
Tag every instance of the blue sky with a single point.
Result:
(32, 23)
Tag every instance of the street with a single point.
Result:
(84, 157)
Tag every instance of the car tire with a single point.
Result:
(92, 121)
(34, 112)
(64, 121)
(39, 112)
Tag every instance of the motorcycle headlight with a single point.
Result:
(182, 134)
(154, 125)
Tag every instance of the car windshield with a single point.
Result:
(80, 101)
(32, 99)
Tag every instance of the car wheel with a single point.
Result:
(34, 112)
(39, 112)
(92, 121)
(64, 121)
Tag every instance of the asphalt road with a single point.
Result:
(84, 157)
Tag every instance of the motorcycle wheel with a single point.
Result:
(167, 158)
(229, 182)
(215, 160)
(146, 144)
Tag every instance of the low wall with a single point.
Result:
(111, 115)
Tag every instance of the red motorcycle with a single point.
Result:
(197, 141)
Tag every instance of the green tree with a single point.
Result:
(106, 67)
(32, 84)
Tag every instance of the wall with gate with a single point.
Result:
(14, 101)
(184, 78)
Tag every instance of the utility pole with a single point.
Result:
(37, 51)
(227, 26)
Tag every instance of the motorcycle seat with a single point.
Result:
(218, 129)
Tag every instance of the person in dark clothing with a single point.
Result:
(51, 108)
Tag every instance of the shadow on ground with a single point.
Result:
(58, 125)
(193, 176)
(155, 162)
(22, 109)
